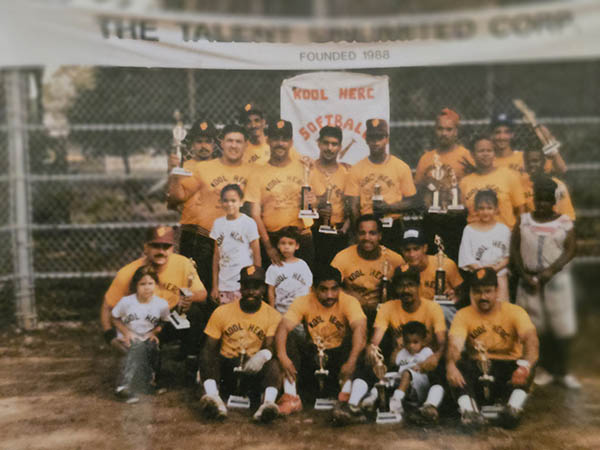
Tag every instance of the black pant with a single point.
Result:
(192, 339)
(392, 237)
(449, 227)
(200, 249)
(327, 245)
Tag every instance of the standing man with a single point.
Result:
(274, 193)
(496, 334)
(365, 265)
(381, 184)
(252, 118)
(175, 272)
(201, 195)
(329, 179)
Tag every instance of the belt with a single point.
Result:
(192, 228)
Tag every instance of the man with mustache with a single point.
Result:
(175, 272)
(274, 196)
(334, 320)
(501, 333)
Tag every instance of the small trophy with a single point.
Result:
(489, 411)
(437, 174)
(322, 402)
(377, 197)
(326, 227)
(177, 318)
(306, 209)
(179, 134)
(238, 399)
(384, 383)
(454, 205)
(440, 275)
(384, 281)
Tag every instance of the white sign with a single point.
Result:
(87, 32)
(346, 100)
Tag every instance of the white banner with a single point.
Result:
(314, 100)
(96, 32)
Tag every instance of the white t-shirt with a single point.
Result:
(485, 248)
(405, 360)
(291, 280)
(140, 318)
(233, 238)
(542, 243)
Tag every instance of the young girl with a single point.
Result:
(137, 320)
(486, 243)
(543, 244)
(236, 246)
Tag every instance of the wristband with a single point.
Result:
(109, 335)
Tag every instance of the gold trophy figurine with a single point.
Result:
(455, 204)
(322, 402)
(437, 174)
(326, 227)
(440, 274)
(238, 399)
(377, 199)
(179, 134)
(306, 209)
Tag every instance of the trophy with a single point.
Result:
(437, 174)
(550, 145)
(440, 275)
(454, 205)
(177, 317)
(384, 281)
(306, 209)
(179, 134)
(489, 411)
(377, 197)
(322, 402)
(238, 399)
(326, 227)
(385, 381)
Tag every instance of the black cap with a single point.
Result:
(249, 109)
(377, 127)
(484, 277)
(252, 273)
(501, 119)
(202, 127)
(280, 128)
(413, 236)
(406, 272)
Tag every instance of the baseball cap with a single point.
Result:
(202, 127)
(484, 277)
(281, 128)
(450, 114)
(252, 273)
(160, 235)
(248, 109)
(501, 119)
(377, 127)
(406, 272)
(413, 236)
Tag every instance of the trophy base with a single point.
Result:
(239, 402)
(308, 214)
(491, 412)
(324, 404)
(387, 418)
(326, 229)
(181, 172)
(436, 210)
(456, 208)
(179, 321)
(387, 222)
(442, 300)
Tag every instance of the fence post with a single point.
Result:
(16, 113)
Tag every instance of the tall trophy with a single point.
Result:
(385, 282)
(179, 134)
(377, 199)
(384, 384)
(437, 175)
(307, 210)
(440, 275)
(177, 317)
(454, 202)
(238, 399)
(489, 410)
(322, 402)
(326, 227)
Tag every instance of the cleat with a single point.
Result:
(124, 394)
(289, 404)
(213, 407)
(346, 414)
(542, 377)
(510, 417)
(471, 419)
(267, 412)
(570, 382)
(368, 402)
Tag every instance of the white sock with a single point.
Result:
(289, 387)
(435, 395)
(465, 403)
(359, 389)
(347, 387)
(210, 386)
(270, 394)
(399, 395)
(517, 398)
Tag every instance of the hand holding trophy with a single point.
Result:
(179, 134)
(440, 275)
(307, 210)
(326, 227)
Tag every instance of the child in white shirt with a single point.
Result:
(236, 246)
(486, 242)
(137, 320)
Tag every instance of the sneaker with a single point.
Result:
(266, 413)
(542, 377)
(471, 419)
(368, 402)
(289, 404)
(570, 382)
(346, 414)
(396, 406)
(343, 397)
(213, 407)
(510, 416)
(124, 394)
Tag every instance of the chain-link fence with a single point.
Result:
(94, 143)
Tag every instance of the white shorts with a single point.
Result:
(556, 312)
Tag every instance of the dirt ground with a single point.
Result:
(56, 392)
